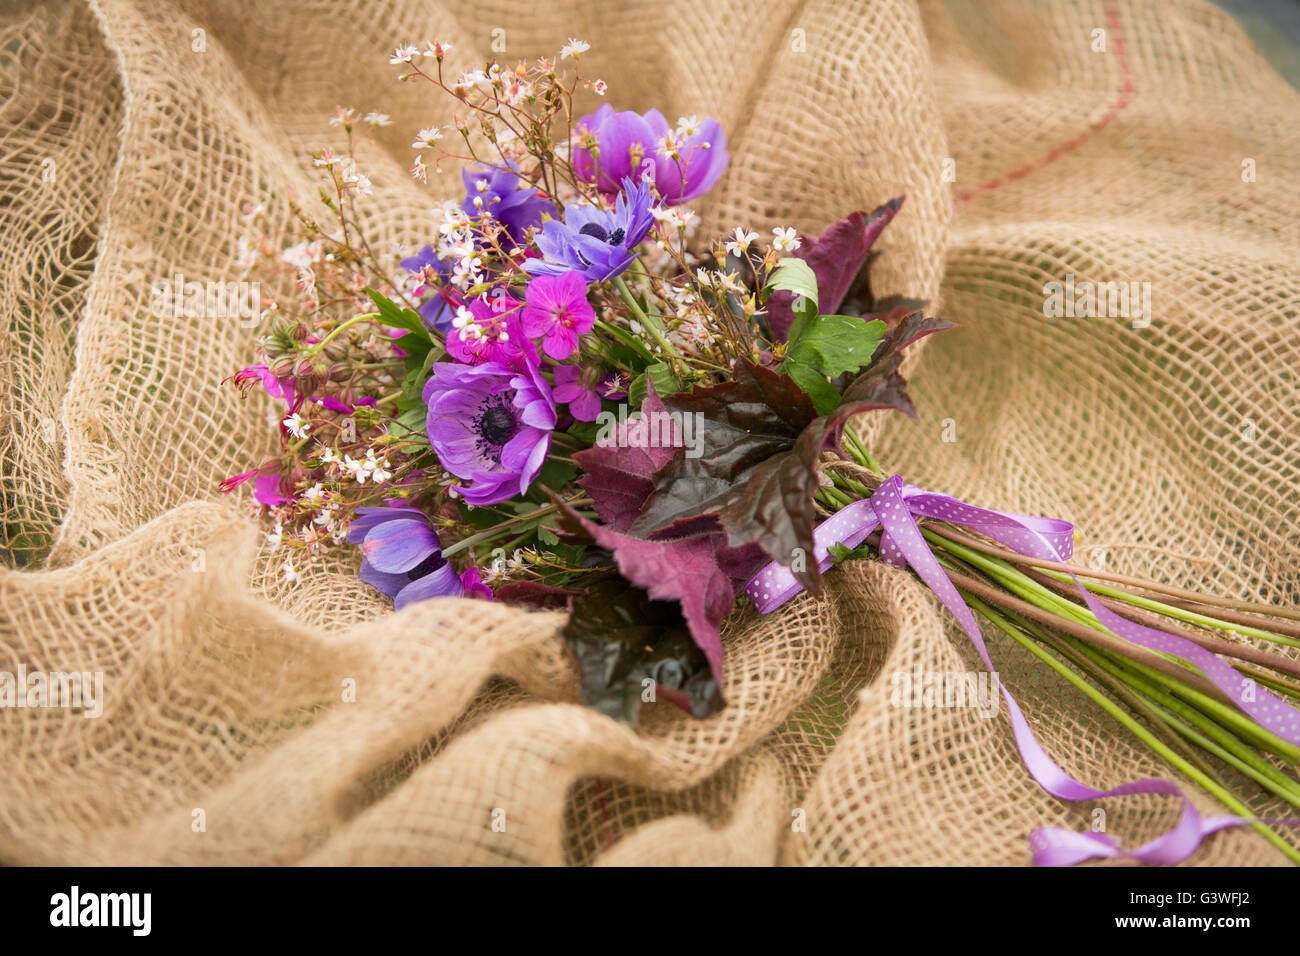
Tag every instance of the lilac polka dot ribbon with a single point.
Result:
(894, 509)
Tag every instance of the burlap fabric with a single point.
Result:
(135, 130)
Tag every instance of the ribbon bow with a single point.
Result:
(894, 508)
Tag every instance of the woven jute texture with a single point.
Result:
(135, 131)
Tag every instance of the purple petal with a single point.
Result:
(397, 546)
(441, 583)
(390, 584)
(267, 490)
(585, 408)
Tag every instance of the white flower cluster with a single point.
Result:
(407, 52)
(370, 467)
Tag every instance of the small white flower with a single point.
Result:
(438, 50)
(273, 538)
(475, 79)
(731, 282)
(245, 254)
(378, 469)
(425, 138)
(297, 427)
(419, 170)
(314, 493)
(599, 87)
(785, 240)
(687, 126)
(740, 245)
(302, 255)
(404, 53)
(291, 574)
(377, 119)
(343, 116)
(357, 181)
(331, 457)
(573, 48)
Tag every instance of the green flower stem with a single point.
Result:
(1181, 614)
(851, 484)
(1061, 643)
(1159, 687)
(839, 498)
(859, 452)
(1227, 748)
(1229, 717)
(505, 527)
(1013, 580)
(1220, 741)
(648, 321)
(346, 325)
(1167, 753)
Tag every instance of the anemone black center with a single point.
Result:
(430, 564)
(497, 425)
(597, 231)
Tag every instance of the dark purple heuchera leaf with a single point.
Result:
(618, 476)
(535, 595)
(745, 421)
(620, 637)
(758, 470)
(836, 257)
(701, 572)
(753, 472)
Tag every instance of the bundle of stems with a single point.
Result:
(1166, 703)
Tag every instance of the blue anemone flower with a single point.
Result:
(596, 243)
(496, 194)
(402, 555)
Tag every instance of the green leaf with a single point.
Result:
(824, 395)
(794, 275)
(637, 354)
(555, 475)
(412, 420)
(863, 552)
(661, 375)
(833, 344)
(399, 317)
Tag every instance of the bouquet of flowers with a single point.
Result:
(568, 400)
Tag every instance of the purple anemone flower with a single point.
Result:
(490, 425)
(631, 145)
(596, 243)
(403, 558)
(438, 310)
(495, 193)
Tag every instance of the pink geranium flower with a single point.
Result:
(583, 400)
(557, 309)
